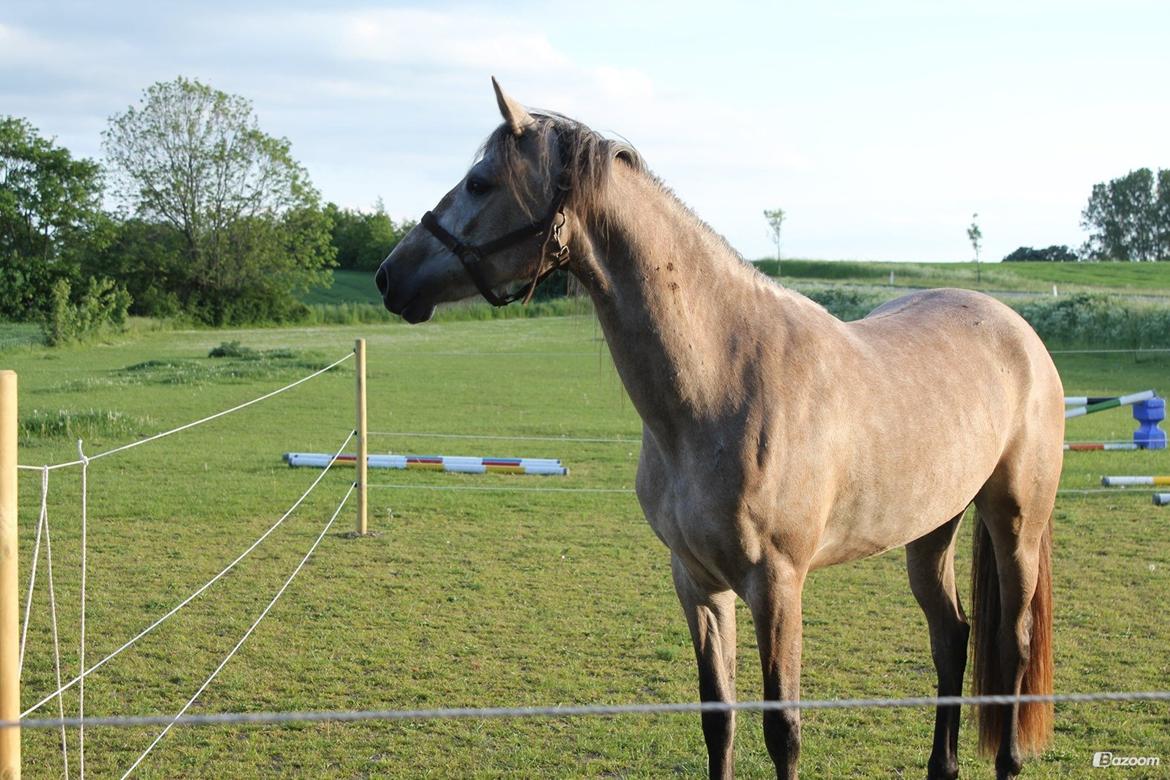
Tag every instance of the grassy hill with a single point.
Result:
(1137, 278)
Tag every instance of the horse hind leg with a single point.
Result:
(930, 563)
(1012, 603)
(711, 619)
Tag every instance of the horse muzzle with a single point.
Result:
(402, 297)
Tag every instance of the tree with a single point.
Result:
(250, 227)
(50, 216)
(975, 236)
(775, 219)
(1057, 253)
(1129, 217)
(363, 239)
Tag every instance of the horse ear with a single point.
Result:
(514, 114)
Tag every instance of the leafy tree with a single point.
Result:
(975, 236)
(775, 218)
(1129, 217)
(1052, 254)
(99, 310)
(363, 239)
(250, 230)
(50, 216)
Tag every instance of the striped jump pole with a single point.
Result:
(1098, 446)
(1133, 481)
(1162, 499)
(459, 464)
(1089, 404)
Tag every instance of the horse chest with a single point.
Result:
(691, 506)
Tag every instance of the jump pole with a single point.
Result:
(9, 600)
(1134, 481)
(360, 462)
(1094, 405)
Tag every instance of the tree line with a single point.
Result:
(197, 212)
(1128, 219)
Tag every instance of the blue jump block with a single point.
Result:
(1149, 414)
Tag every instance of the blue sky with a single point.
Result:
(879, 127)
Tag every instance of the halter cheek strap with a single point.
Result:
(471, 256)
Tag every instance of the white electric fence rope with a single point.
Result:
(247, 633)
(209, 418)
(567, 711)
(56, 635)
(81, 653)
(62, 688)
(631, 491)
(32, 577)
(43, 531)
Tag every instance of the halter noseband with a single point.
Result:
(472, 255)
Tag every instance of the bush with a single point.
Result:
(78, 424)
(847, 304)
(100, 312)
(1053, 254)
(1097, 320)
(233, 349)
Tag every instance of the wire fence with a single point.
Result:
(43, 529)
(582, 710)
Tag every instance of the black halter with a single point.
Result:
(472, 256)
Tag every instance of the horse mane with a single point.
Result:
(587, 159)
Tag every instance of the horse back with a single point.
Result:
(941, 387)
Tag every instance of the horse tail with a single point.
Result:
(1035, 719)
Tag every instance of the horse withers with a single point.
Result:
(776, 438)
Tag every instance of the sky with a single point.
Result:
(879, 127)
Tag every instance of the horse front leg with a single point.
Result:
(774, 596)
(711, 618)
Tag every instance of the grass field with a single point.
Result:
(469, 598)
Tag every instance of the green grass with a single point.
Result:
(347, 287)
(484, 599)
(18, 334)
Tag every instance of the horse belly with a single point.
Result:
(898, 485)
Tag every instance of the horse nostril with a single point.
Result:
(382, 279)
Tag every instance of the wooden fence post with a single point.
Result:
(9, 600)
(360, 430)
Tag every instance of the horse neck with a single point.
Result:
(680, 311)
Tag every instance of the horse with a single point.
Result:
(777, 439)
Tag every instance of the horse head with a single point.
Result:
(502, 227)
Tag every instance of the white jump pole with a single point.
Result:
(1134, 481)
(9, 600)
(360, 462)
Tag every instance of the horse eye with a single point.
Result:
(478, 186)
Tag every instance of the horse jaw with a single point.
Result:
(514, 114)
